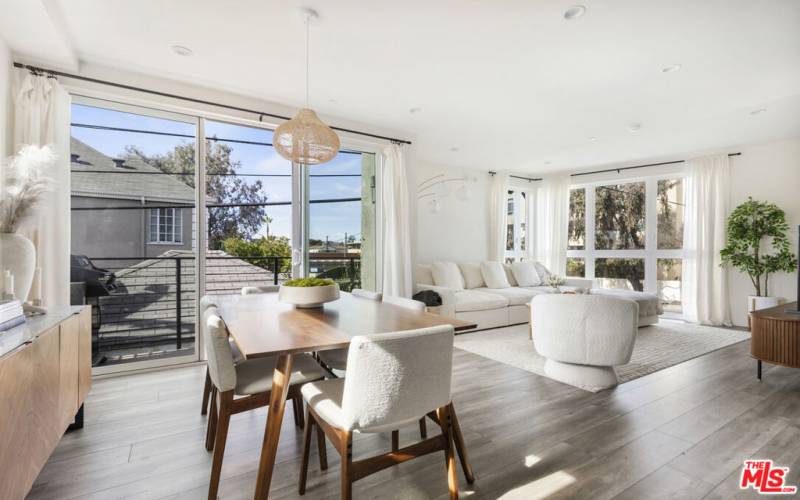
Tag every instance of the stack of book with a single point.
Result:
(11, 314)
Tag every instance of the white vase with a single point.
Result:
(755, 303)
(18, 255)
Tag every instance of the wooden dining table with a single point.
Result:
(262, 326)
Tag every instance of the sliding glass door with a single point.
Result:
(341, 220)
(134, 244)
(158, 220)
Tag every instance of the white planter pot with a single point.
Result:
(18, 255)
(755, 303)
(309, 296)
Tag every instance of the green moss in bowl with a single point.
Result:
(309, 282)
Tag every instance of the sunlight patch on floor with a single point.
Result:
(541, 488)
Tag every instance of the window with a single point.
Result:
(629, 235)
(519, 213)
(166, 225)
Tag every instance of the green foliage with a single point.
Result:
(309, 282)
(269, 246)
(749, 225)
(222, 187)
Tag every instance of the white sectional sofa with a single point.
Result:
(491, 295)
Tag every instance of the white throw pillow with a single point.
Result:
(525, 274)
(471, 271)
(543, 272)
(447, 274)
(510, 275)
(494, 275)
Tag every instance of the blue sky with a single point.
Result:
(330, 219)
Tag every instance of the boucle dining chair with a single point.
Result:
(207, 301)
(241, 387)
(393, 379)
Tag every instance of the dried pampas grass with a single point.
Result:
(23, 185)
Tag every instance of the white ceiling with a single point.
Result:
(510, 83)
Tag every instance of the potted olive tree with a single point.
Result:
(758, 246)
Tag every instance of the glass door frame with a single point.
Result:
(82, 92)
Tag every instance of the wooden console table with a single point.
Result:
(45, 374)
(775, 336)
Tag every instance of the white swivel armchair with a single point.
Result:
(584, 337)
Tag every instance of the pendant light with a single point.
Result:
(305, 138)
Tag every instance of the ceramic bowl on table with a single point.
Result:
(308, 296)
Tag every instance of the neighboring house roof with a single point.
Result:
(96, 175)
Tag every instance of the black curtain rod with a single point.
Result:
(618, 170)
(261, 114)
(529, 179)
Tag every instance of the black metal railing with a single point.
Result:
(154, 308)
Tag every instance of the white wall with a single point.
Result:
(459, 230)
(767, 172)
(5, 100)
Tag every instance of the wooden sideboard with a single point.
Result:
(45, 374)
(776, 336)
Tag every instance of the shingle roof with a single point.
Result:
(96, 175)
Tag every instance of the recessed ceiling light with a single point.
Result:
(181, 50)
(634, 127)
(548, 162)
(414, 110)
(333, 101)
(592, 138)
(671, 69)
(574, 12)
(757, 111)
(455, 149)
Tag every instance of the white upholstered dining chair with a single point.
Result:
(393, 379)
(239, 387)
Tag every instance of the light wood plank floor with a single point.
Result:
(682, 432)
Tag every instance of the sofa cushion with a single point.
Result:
(510, 275)
(649, 304)
(494, 275)
(471, 271)
(525, 274)
(423, 275)
(543, 272)
(470, 300)
(537, 290)
(448, 275)
(516, 296)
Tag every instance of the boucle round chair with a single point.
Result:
(584, 337)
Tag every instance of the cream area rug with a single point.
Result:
(657, 346)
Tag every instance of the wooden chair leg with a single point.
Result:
(295, 413)
(225, 403)
(211, 429)
(322, 448)
(461, 448)
(395, 440)
(300, 412)
(423, 429)
(306, 448)
(347, 463)
(206, 393)
(450, 460)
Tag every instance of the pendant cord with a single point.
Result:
(308, 21)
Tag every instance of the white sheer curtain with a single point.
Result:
(705, 283)
(498, 211)
(42, 117)
(552, 211)
(396, 229)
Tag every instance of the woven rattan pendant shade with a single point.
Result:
(306, 139)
